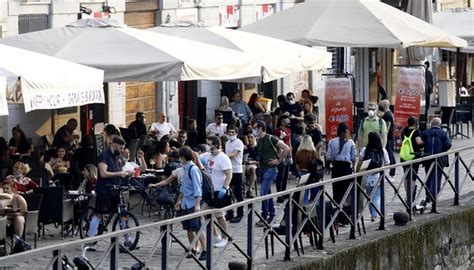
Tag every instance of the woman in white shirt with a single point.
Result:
(162, 128)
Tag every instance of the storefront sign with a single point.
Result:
(229, 16)
(338, 100)
(35, 99)
(410, 88)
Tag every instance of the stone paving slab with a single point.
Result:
(239, 232)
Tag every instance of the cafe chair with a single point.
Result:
(39, 176)
(447, 118)
(31, 225)
(132, 145)
(128, 134)
(464, 116)
(54, 208)
(3, 235)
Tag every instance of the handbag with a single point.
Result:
(316, 169)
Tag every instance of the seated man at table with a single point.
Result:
(130, 166)
(64, 136)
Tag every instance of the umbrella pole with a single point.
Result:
(458, 75)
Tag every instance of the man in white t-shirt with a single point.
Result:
(217, 128)
(162, 128)
(234, 149)
(219, 167)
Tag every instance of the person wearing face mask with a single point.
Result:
(23, 183)
(314, 131)
(219, 167)
(139, 124)
(272, 152)
(110, 173)
(371, 123)
(387, 116)
(234, 149)
(294, 110)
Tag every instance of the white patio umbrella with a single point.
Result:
(45, 82)
(460, 24)
(130, 54)
(278, 58)
(352, 23)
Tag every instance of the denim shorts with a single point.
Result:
(193, 224)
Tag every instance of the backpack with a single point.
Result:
(406, 150)
(207, 186)
(19, 244)
(376, 159)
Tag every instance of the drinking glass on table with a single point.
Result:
(152, 163)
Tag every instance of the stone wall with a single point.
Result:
(437, 242)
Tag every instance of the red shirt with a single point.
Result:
(285, 136)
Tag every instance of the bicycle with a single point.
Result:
(122, 219)
(165, 199)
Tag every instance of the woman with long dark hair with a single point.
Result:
(342, 155)
(254, 106)
(378, 156)
(19, 143)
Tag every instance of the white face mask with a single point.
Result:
(232, 138)
(255, 132)
(371, 113)
(291, 102)
(144, 120)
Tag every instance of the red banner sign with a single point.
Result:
(410, 88)
(338, 105)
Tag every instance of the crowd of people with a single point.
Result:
(252, 145)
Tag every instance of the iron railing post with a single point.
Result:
(57, 264)
(250, 237)
(164, 247)
(114, 253)
(456, 178)
(209, 244)
(288, 229)
(353, 209)
(321, 213)
(409, 186)
(435, 185)
(382, 202)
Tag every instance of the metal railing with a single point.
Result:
(312, 216)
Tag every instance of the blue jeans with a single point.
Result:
(375, 199)
(267, 176)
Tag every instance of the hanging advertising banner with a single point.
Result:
(338, 96)
(229, 16)
(410, 88)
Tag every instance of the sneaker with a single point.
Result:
(236, 219)
(217, 239)
(91, 247)
(221, 243)
(260, 224)
(202, 257)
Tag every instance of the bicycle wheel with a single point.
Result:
(85, 221)
(130, 241)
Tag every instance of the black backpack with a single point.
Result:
(207, 186)
(376, 159)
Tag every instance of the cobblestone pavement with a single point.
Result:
(239, 232)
